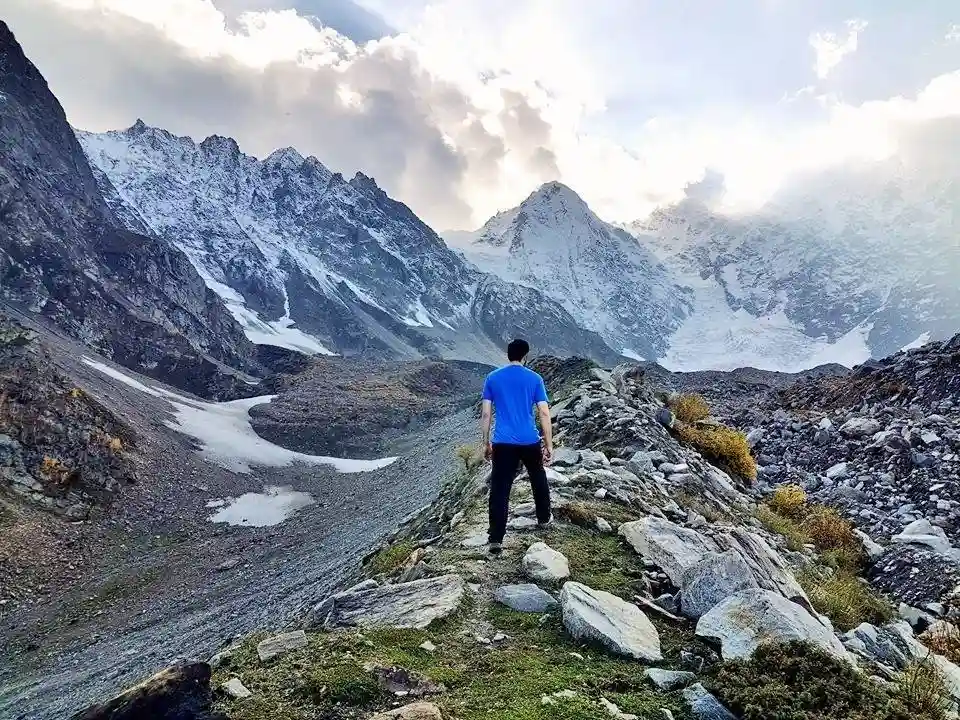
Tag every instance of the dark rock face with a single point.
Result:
(181, 692)
(59, 448)
(64, 253)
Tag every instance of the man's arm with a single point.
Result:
(546, 427)
(486, 417)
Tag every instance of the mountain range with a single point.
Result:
(193, 262)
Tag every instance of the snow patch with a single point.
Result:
(717, 337)
(226, 436)
(271, 507)
(919, 342)
(633, 355)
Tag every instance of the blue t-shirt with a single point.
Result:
(514, 390)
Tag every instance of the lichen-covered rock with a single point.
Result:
(526, 597)
(716, 577)
(671, 547)
(544, 564)
(405, 605)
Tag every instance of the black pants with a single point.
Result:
(506, 463)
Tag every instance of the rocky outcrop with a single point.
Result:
(66, 256)
(716, 577)
(603, 618)
(181, 692)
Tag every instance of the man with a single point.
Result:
(513, 391)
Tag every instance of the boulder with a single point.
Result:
(404, 605)
(716, 577)
(705, 706)
(181, 692)
(923, 532)
(750, 617)
(619, 626)
(544, 564)
(525, 598)
(769, 568)
(235, 688)
(280, 644)
(672, 548)
(860, 427)
(668, 680)
(873, 550)
(565, 456)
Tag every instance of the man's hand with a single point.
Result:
(487, 450)
(547, 454)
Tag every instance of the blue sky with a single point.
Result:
(462, 107)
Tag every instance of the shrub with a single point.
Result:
(577, 514)
(790, 501)
(844, 598)
(54, 470)
(943, 638)
(797, 681)
(471, 457)
(115, 444)
(722, 445)
(690, 408)
(829, 531)
(791, 530)
(921, 690)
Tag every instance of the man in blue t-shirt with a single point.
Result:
(512, 392)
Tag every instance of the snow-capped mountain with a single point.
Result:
(65, 255)
(846, 265)
(306, 259)
(598, 272)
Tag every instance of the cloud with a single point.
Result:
(953, 34)
(709, 190)
(370, 108)
(346, 17)
(831, 49)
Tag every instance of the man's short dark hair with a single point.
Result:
(517, 350)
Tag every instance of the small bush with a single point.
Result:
(790, 501)
(471, 456)
(797, 681)
(577, 514)
(789, 529)
(943, 638)
(690, 408)
(390, 558)
(722, 445)
(829, 531)
(921, 690)
(844, 598)
(54, 470)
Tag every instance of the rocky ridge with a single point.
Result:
(632, 576)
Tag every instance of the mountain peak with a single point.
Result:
(554, 198)
(219, 143)
(287, 157)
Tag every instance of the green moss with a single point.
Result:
(390, 558)
(795, 535)
(844, 598)
(602, 562)
(343, 684)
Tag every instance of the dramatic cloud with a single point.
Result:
(461, 107)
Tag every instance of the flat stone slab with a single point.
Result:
(671, 547)
(619, 626)
(668, 680)
(413, 604)
(280, 644)
(544, 564)
(526, 597)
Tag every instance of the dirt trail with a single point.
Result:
(167, 583)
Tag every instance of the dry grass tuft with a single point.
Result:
(943, 638)
(922, 689)
(829, 531)
(54, 470)
(471, 456)
(722, 445)
(691, 408)
(844, 598)
(795, 536)
(790, 501)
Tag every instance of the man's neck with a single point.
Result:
(517, 362)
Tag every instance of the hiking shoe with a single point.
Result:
(548, 523)
(496, 548)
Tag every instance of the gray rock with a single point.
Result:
(236, 689)
(705, 706)
(641, 463)
(717, 576)
(837, 472)
(672, 548)
(619, 626)
(745, 620)
(522, 523)
(769, 568)
(603, 525)
(593, 459)
(404, 605)
(860, 427)
(566, 456)
(668, 680)
(280, 644)
(873, 550)
(544, 564)
(525, 598)
(923, 532)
